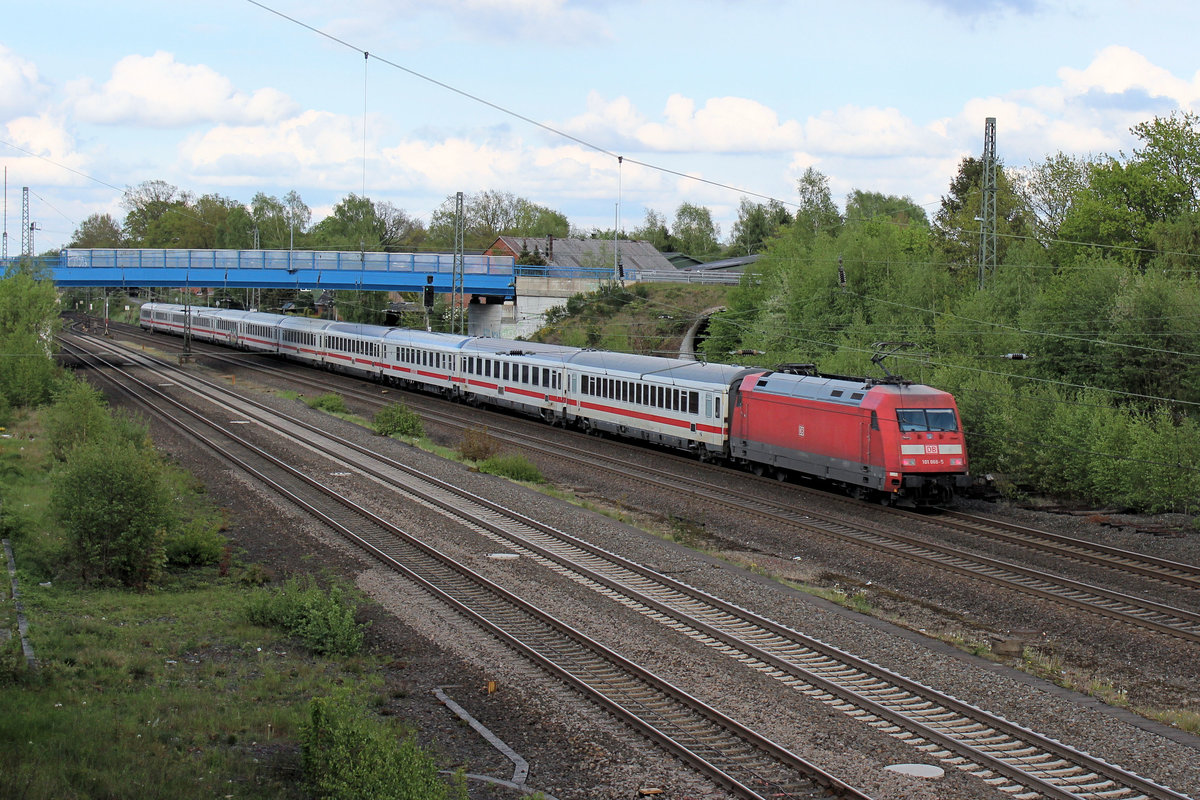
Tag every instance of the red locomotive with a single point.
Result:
(888, 439)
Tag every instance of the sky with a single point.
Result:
(600, 109)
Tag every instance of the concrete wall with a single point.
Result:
(534, 297)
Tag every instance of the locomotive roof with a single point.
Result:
(668, 370)
(830, 389)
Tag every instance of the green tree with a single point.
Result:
(28, 320)
(655, 231)
(1155, 339)
(694, 231)
(817, 212)
(755, 226)
(1050, 188)
(1120, 207)
(490, 214)
(145, 205)
(861, 205)
(98, 230)
(353, 225)
(279, 222)
(957, 223)
(1171, 152)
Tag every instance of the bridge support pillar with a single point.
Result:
(483, 319)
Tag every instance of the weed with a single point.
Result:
(321, 618)
(516, 467)
(1180, 718)
(396, 419)
(330, 402)
(477, 445)
(347, 752)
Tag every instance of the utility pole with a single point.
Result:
(26, 245)
(457, 298)
(987, 211)
(4, 250)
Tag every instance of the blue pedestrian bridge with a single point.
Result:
(493, 276)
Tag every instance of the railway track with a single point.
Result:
(852, 528)
(733, 755)
(1012, 758)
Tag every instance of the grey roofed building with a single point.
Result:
(738, 264)
(683, 260)
(591, 254)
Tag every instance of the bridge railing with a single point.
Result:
(687, 276)
(573, 273)
(289, 260)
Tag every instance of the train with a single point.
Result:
(880, 439)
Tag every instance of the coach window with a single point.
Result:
(693, 402)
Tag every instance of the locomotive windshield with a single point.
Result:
(926, 419)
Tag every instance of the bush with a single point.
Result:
(477, 445)
(113, 503)
(79, 414)
(323, 620)
(347, 753)
(517, 467)
(395, 419)
(197, 543)
(27, 372)
(330, 402)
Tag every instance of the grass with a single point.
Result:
(170, 693)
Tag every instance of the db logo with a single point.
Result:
(931, 449)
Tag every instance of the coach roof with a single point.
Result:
(658, 368)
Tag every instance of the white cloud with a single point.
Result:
(721, 125)
(157, 91)
(48, 149)
(873, 132)
(1119, 70)
(313, 148)
(20, 87)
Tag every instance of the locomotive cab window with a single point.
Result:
(926, 419)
